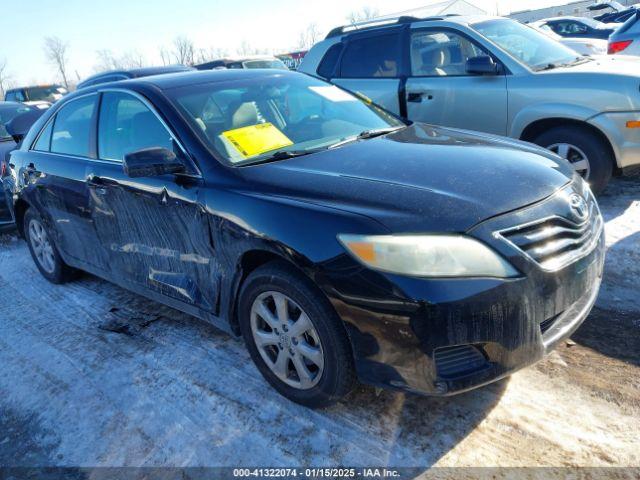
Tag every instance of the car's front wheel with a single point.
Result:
(587, 153)
(43, 250)
(294, 337)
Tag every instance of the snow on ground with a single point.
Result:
(173, 391)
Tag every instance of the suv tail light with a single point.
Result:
(3, 169)
(616, 47)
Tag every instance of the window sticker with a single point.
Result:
(256, 139)
(333, 93)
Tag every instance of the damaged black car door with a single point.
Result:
(149, 220)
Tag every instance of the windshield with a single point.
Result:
(46, 94)
(275, 63)
(533, 48)
(8, 113)
(248, 121)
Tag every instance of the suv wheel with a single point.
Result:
(43, 250)
(294, 337)
(588, 154)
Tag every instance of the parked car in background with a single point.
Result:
(40, 96)
(626, 40)
(336, 239)
(579, 27)
(494, 75)
(116, 75)
(584, 46)
(250, 62)
(614, 12)
(9, 111)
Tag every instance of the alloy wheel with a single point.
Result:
(41, 246)
(575, 156)
(287, 340)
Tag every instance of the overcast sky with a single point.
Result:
(144, 26)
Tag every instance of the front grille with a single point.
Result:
(458, 361)
(556, 242)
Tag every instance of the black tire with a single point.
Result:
(338, 375)
(61, 272)
(599, 154)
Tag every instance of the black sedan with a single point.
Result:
(339, 241)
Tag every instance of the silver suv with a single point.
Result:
(497, 76)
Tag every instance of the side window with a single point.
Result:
(15, 96)
(327, 66)
(127, 125)
(372, 57)
(441, 54)
(72, 127)
(44, 140)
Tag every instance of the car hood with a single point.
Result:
(619, 65)
(420, 179)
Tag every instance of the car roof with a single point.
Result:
(184, 79)
(383, 23)
(576, 19)
(140, 72)
(45, 85)
(227, 60)
(13, 104)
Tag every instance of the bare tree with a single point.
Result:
(308, 37)
(247, 49)
(55, 51)
(5, 77)
(366, 13)
(132, 59)
(184, 52)
(165, 56)
(106, 61)
(208, 54)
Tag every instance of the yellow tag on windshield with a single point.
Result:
(257, 139)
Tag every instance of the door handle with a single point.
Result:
(97, 184)
(417, 97)
(30, 172)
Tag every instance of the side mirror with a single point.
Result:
(19, 126)
(152, 162)
(483, 65)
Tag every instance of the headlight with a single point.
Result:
(428, 255)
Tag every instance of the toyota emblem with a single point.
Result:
(578, 206)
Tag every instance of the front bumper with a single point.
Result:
(446, 336)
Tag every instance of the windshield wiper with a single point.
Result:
(282, 155)
(575, 61)
(549, 66)
(366, 134)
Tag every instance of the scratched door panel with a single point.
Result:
(157, 234)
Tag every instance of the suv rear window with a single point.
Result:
(372, 57)
(327, 66)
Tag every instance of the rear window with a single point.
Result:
(72, 127)
(327, 66)
(46, 94)
(372, 57)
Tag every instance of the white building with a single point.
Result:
(572, 9)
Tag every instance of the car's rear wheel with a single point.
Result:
(43, 250)
(587, 153)
(294, 337)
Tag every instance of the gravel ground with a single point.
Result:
(168, 390)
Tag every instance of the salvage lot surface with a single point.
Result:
(92, 375)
